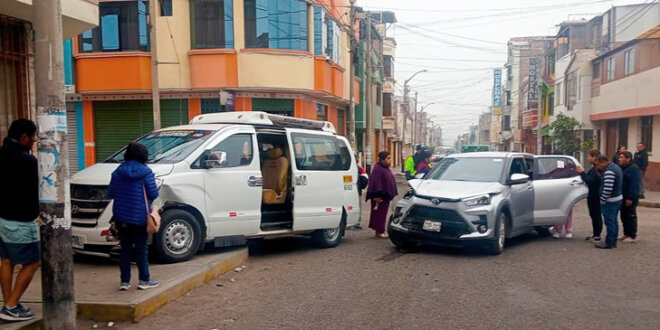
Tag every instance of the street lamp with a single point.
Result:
(426, 105)
(406, 103)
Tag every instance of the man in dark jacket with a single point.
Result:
(615, 158)
(592, 179)
(19, 208)
(642, 161)
(630, 191)
(610, 199)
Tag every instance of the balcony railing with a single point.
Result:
(530, 118)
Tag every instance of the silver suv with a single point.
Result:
(484, 198)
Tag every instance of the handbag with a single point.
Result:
(153, 217)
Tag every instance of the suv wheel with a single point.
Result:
(496, 244)
(329, 238)
(178, 238)
(402, 244)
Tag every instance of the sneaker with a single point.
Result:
(569, 235)
(605, 246)
(124, 286)
(592, 239)
(16, 314)
(146, 285)
(628, 240)
(621, 238)
(556, 235)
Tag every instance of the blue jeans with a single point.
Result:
(610, 213)
(133, 238)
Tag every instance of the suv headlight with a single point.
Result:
(476, 201)
(409, 194)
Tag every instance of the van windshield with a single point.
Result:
(167, 147)
(467, 169)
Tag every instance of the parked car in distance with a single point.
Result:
(229, 177)
(484, 198)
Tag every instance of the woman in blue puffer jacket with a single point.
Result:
(133, 188)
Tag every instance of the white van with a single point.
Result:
(229, 177)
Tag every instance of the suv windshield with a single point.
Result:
(468, 169)
(167, 147)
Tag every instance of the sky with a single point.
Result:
(461, 42)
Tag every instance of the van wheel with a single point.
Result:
(329, 238)
(496, 244)
(178, 238)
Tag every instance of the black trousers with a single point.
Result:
(594, 212)
(629, 219)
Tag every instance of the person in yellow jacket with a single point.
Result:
(411, 163)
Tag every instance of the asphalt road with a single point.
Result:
(364, 283)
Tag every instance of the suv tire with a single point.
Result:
(496, 244)
(179, 236)
(402, 245)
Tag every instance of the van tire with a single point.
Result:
(330, 238)
(179, 236)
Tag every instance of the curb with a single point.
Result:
(649, 204)
(149, 303)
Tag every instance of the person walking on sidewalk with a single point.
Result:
(19, 208)
(382, 190)
(642, 161)
(630, 191)
(133, 189)
(610, 199)
(592, 179)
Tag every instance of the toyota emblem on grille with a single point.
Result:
(435, 201)
(75, 209)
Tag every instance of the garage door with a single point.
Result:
(116, 123)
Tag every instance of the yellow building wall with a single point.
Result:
(173, 67)
(257, 68)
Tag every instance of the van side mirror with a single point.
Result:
(214, 159)
(518, 178)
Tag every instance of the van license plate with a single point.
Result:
(78, 241)
(432, 226)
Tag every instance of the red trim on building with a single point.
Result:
(638, 112)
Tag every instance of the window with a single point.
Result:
(623, 131)
(596, 70)
(334, 47)
(647, 132)
(320, 31)
(275, 106)
(165, 7)
(555, 168)
(345, 155)
(558, 94)
(629, 59)
(238, 149)
(279, 24)
(611, 66)
(122, 27)
(571, 90)
(508, 97)
(506, 123)
(211, 106)
(321, 112)
(168, 147)
(316, 152)
(211, 24)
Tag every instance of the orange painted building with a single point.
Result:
(213, 56)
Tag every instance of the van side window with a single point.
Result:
(316, 152)
(556, 168)
(238, 148)
(345, 155)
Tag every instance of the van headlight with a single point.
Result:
(477, 201)
(409, 194)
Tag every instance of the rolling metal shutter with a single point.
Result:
(72, 137)
(119, 122)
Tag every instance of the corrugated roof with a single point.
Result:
(653, 33)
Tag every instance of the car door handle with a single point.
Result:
(301, 180)
(255, 181)
(577, 183)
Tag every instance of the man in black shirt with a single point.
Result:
(19, 208)
(592, 179)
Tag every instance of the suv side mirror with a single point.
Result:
(214, 159)
(518, 178)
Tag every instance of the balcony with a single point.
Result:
(388, 86)
(530, 118)
(389, 124)
(389, 47)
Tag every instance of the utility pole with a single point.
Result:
(351, 73)
(369, 106)
(55, 210)
(155, 92)
(414, 118)
(539, 124)
(406, 110)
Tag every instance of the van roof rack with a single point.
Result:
(263, 118)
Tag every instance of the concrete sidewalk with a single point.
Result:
(97, 284)
(652, 199)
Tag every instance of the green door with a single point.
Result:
(116, 123)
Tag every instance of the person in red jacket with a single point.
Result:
(424, 165)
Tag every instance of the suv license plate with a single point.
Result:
(78, 241)
(432, 226)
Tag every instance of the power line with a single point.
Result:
(647, 9)
(452, 35)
